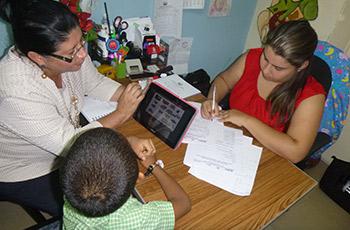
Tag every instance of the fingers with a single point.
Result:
(206, 110)
(130, 98)
(205, 114)
(216, 111)
(153, 148)
(148, 148)
(134, 90)
(144, 149)
(210, 112)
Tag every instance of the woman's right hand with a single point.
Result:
(129, 99)
(207, 111)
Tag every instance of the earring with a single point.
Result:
(43, 75)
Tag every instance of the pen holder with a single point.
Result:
(120, 70)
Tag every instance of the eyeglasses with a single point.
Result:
(76, 51)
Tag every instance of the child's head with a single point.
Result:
(99, 172)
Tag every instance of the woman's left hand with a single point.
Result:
(142, 147)
(234, 116)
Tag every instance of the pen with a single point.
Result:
(213, 102)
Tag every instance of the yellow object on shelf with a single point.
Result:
(107, 70)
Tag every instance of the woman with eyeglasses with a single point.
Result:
(43, 80)
(272, 94)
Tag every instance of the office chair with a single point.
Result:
(337, 101)
(320, 70)
(36, 215)
(54, 223)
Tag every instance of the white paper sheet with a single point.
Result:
(232, 170)
(179, 54)
(178, 86)
(220, 139)
(134, 23)
(95, 109)
(221, 155)
(199, 130)
(213, 132)
(168, 17)
(194, 4)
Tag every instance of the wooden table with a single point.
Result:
(278, 185)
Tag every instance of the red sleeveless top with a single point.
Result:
(245, 97)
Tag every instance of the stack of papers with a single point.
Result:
(221, 155)
(178, 86)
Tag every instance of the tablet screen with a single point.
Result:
(165, 114)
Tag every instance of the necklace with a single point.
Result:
(73, 113)
(75, 121)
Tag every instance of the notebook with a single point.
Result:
(94, 109)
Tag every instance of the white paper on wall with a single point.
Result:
(194, 4)
(219, 8)
(168, 17)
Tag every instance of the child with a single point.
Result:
(97, 178)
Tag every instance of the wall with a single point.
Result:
(340, 35)
(217, 41)
(331, 25)
(328, 15)
(5, 37)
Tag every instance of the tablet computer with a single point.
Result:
(165, 114)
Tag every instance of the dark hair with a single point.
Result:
(99, 172)
(38, 25)
(295, 41)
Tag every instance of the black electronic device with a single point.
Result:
(165, 114)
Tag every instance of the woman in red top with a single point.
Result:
(272, 94)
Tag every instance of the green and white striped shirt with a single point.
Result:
(132, 215)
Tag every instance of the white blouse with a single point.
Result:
(34, 117)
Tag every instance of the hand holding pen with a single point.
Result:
(210, 109)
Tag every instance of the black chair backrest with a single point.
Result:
(320, 70)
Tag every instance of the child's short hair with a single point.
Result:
(99, 172)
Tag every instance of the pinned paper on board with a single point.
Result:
(178, 53)
(167, 18)
(219, 8)
(194, 4)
